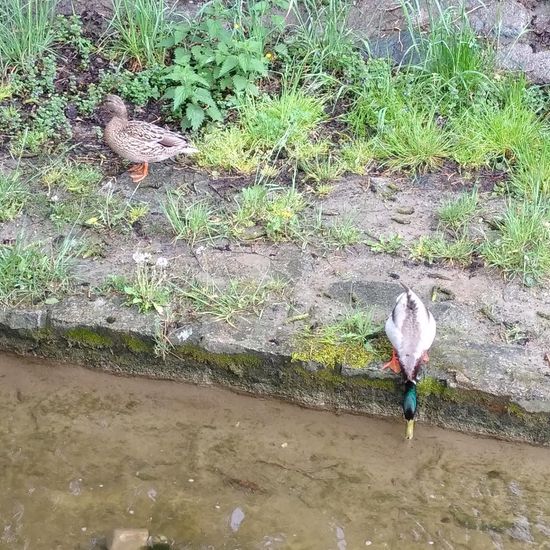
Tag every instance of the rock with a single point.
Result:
(128, 539)
(506, 19)
(520, 57)
(30, 320)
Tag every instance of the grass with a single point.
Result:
(498, 133)
(191, 222)
(26, 32)
(237, 298)
(343, 232)
(456, 214)
(140, 26)
(390, 244)
(277, 210)
(413, 142)
(284, 122)
(521, 246)
(437, 248)
(32, 272)
(531, 176)
(230, 149)
(76, 178)
(357, 156)
(13, 196)
(322, 169)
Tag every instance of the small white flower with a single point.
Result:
(161, 262)
(141, 257)
(55, 198)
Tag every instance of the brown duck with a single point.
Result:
(140, 142)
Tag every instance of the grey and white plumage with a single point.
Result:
(411, 329)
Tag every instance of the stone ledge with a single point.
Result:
(469, 386)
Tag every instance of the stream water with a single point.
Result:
(84, 452)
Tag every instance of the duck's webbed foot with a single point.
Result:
(393, 363)
(425, 358)
(138, 172)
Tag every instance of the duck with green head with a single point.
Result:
(411, 330)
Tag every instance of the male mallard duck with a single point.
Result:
(140, 142)
(411, 330)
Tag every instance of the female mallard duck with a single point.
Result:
(140, 142)
(411, 330)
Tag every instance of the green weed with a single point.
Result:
(76, 178)
(357, 156)
(192, 222)
(521, 247)
(413, 142)
(390, 244)
(31, 272)
(26, 32)
(436, 248)
(140, 26)
(148, 290)
(322, 169)
(237, 298)
(343, 232)
(228, 148)
(531, 175)
(13, 196)
(456, 214)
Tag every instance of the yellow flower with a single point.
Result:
(269, 56)
(236, 26)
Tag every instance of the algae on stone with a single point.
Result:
(88, 338)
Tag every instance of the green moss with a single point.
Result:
(88, 338)
(136, 345)
(237, 363)
(515, 410)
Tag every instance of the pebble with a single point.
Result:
(128, 539)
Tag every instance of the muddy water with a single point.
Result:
(83, 452)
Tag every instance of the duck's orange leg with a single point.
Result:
(139, 172)
(425, 357)
(393, 363)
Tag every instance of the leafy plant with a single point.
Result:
(357, 156)
(390, 244)
(76, 178)
(148, 290)
(220, 58)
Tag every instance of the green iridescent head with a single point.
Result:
(409, 407)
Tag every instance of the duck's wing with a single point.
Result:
(151, 134)
(394, 323)
(428, 331)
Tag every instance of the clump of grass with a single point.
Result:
(32, 272)
(357, 156)
(26, 31)
(284, 122)
(76, 178)
(230, 149)
(191, 222)
(498, 133)
(148, 290)
(29, 143)
(278, 211)
(140, 26)
(322, 169)
(237, 298)
(343, 232)
(531, 176)
(413, 141)
(437, 248)
(521, 247)
(13, 196)
(390, 244)
(456, 214)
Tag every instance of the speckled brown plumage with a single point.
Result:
(140, 142)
